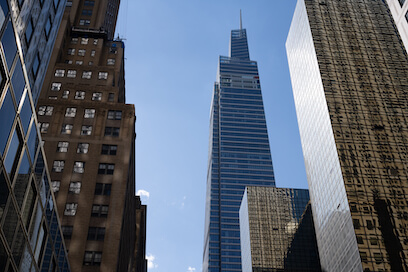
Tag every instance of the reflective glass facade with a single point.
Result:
(30, 232)
(239, 153)
(349, 72)
(277, 231)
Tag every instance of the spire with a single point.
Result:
(240, 20)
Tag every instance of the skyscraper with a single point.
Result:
(30, 232)
(349, 72)
(89, 134)
(239, 153)
(277, 231)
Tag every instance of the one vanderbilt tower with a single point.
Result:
(239, 153)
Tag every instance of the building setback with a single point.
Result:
(349, 72)
(239, 153)
(30, 232)
(89, 134)
(277, 231)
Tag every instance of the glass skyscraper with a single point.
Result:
(239, 153)
(30, 231)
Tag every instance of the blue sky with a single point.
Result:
(172, 50)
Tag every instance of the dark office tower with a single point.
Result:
(349, 73)
(239, 153)
(277, 231)
(30, 233)
(89, 134)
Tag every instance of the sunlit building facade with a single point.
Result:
(89, 134)
(349, 72)
(239, 153)
(277, 231)
(30, 232)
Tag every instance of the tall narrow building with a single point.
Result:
(349, 72)
(30, 232)
(89, 134)
(239, 153)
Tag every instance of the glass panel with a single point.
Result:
(18, 245)
(9, 44)
(7, 113)
(13, 152)
(18, 82)
(25, 113)
(4, 192)
(21, 183)
(3, 257)
(32, 142)
(10, 223)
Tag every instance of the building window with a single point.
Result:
(70, 209)
(81, 52)
(70, 112)
(79, 62)
(92, 258)
(90, 63)
(89, 3)
(97, 96)
(84, 40)
(74, 187)
(29, 31)
(80, 95)
(95, 42)
(59, 73)
(87, 74)
(79, 167)
(45, 110)
(47, 27)
(71, 73)
(112, 131)
(106, 169)
(52, 97)
(83, 22)
(114, 115)
(71, 51)
(44, 127)
(62, 147)
(55, 185)
(58, 166)
(67, 231)
(103, 189)
(66, 129)
(89, 113)
(100, 210)
(95, 233)
(36, 65)
(74, 40)
(93, 52)
(82, 148)
(65, 94)
(103, 75)
(56, 86)
(86, 130)
(111, 62)
(111, 97)
(109, 149)
(401, 2)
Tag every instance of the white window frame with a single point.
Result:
(70, 112)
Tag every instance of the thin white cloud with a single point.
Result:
(143, 193)
(191, 269)
(150, 261)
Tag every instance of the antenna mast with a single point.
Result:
(240, 20)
